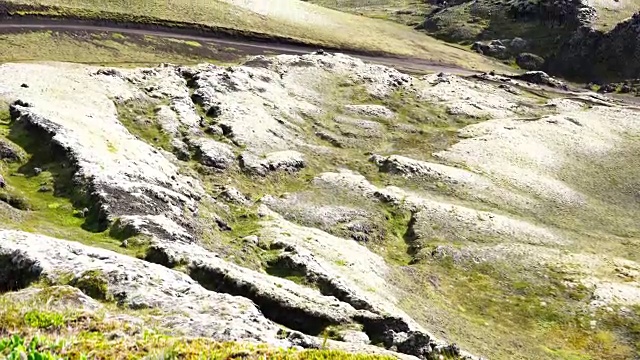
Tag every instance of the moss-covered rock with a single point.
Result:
(93, 283)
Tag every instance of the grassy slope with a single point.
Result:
(41, 331)
(612, 12)
(106, 49)
(289, 18)
(410, 12)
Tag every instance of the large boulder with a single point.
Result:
(214, 154)
(529, 61)
(540, 78)
(494, 49)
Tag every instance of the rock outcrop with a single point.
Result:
(299, 197)
(593, 55)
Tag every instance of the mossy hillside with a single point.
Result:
(434, 128)
(466, 22)
(538, 312)
(606, 221)
(230, 242)
(529, 312)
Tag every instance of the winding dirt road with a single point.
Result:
(250, 47)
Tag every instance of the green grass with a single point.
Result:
(37, 324)
(55, 212)
(104, 49)
(298, 20)
(31, 329)
(536, 312)
(140, 119)
(409, 12)
(90, 345)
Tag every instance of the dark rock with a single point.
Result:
(213, 154)
(222, 225)
(287, 161)
(108, 72)
(9, 153)
(21, 103)
(44, 189)
(570, 14)
(158, 254)
(214, 130)
(529, 61)
(24, 86)
(607, 88)
(418, 344)
(17, 270)
(518, 44)
(494, 49)
(3, 183)
(540, 78)
(214, 111)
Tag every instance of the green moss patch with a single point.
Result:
(140, 119)
(42, 195)
(94, 284)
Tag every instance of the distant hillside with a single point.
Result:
(583, 40)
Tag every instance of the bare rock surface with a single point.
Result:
(288, 161)
(214, 154)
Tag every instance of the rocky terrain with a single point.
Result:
(319, 202)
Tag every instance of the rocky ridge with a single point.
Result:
(241, 148)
